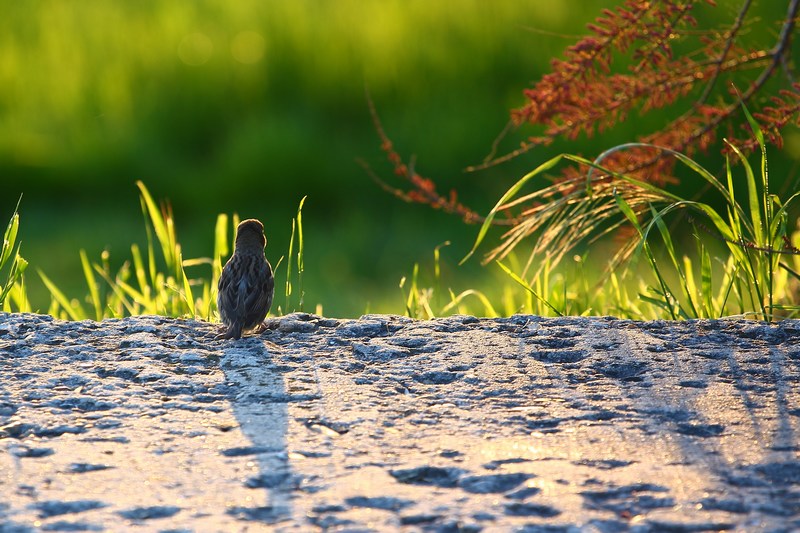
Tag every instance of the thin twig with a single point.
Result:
(729, 40)
(419, 194)
(777, 57)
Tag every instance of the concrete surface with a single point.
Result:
(391, 424)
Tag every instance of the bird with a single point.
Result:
(246, 285)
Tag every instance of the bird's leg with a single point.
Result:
(267, 324)
(231, 332)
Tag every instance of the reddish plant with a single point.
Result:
(629, 64)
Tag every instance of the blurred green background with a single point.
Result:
(248, 106)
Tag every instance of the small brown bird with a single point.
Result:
(246, 284)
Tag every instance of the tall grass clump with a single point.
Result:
(559, 291)
(569, 288)
(151, 282)
(12, 267)
(154, 281)
(424, 302)
(739, 260)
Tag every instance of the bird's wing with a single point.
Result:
(258, 298)
(229, 293)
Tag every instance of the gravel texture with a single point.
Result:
(386, 423)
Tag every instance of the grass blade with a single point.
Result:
(300, 260)
(457, 299)
(527, 287)
(188, 297)
(91, 282)
(510, 193)
(73, 309)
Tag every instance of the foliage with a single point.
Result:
(565, 289)
(12, 289)
(745, 263)
(215, 88)
(668, 58)
(426, 302)
(758, 263)
(75, 123)
(97, 93)
(638, 58)
(297, 232)
(158, 283)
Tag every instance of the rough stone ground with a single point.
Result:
(386, 423)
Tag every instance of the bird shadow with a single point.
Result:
(258, 397)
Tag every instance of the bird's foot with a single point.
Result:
(267, 325)
(228, 333)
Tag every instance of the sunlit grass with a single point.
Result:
(12, 288)
(155, 282)
(752, 274)
(295, 287)
(97, 92)
(700, 264)
(566, 289)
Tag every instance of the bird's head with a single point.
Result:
(250, 235)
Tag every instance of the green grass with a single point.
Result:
(687, 258)
(150, 282)
(98, 94)
(12, 289)
(752, 273)
(297, 233)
